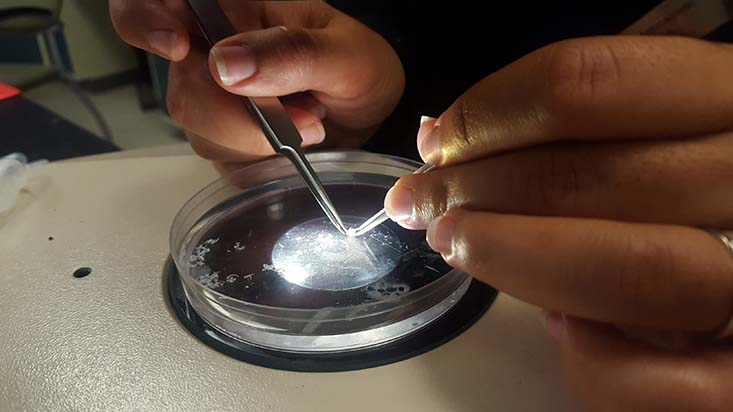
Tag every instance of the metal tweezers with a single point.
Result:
(381, 216)
(269, 112)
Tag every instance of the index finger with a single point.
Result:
(601, 88)
(158, 26)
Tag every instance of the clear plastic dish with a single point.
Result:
(257, 262)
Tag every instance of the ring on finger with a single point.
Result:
(726, 237)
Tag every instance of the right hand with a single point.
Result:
(336, 74)
(576, 179)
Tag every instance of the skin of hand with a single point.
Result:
(581, 179)
(339, 80)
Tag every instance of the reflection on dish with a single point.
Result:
(315, 255)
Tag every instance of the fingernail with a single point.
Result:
(234, 63)
(555, 324)
(399, 203)
(313, 134)
(440, 235)
(426, 125)
(319, 110)
(428, 142)
(163, 41)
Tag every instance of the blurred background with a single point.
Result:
(78, 80)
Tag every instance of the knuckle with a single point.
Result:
(639, 268)
(554, 181)
(627, 277)
(430, 196)
(304, 48)
(578, 73)
(464, 125)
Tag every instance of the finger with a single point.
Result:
(590, 89)
(656, 276)
(228, 169)
(306, 101)
(621, 181)
(633, 377)
(156, 26)
(335, 64)
(217, 121)
(234, 153)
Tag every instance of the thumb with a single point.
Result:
(280, 61)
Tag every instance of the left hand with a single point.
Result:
(579, 179)
(338, 79)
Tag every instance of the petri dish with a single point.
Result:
(259, 261)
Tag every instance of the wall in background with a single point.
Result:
(94, 47)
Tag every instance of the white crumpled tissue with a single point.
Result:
(13, 177)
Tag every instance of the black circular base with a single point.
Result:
(466, 312)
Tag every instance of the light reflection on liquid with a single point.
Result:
(315, 255)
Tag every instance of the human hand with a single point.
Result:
(579, 179)
(340, 79)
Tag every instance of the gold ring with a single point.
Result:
(727, 238)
